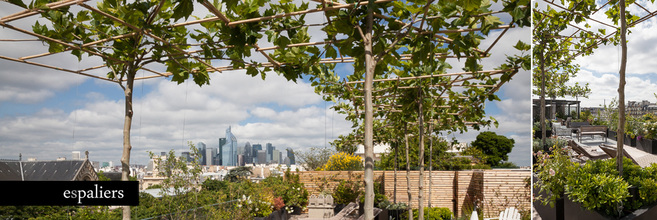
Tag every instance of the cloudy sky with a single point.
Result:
(601, 70)
(47, 114)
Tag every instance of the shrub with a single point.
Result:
(601, 192)
(347, 191)
(278, 203)
(596, 186)
(434, 213)
(552, 171)
(342, 161)
(214, 185)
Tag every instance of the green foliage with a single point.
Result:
(434, 213)
(314, 158)
(604, 192)
(102, 177)
(214, 185)
(441, 160)
(506, 164)
(552, 171)
(596, 184)
(239, 174)
(288, 187)
(43, 212)
(494, 147)
(181, 180)
(156, 186)
(347, 191)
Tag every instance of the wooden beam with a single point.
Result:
(431, 76)
(54, 68)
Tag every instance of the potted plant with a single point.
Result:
(551, 172)
(537, 129)
(279, 212)
(345, 192)
(646, 139)
(396, 210)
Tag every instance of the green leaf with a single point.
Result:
(471, 5)
(522, 46)
(183, 9)
(330, 52)
(251, 71)
(18, 3)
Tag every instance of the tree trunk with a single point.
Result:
(420, 194)
(621, 92)
(127, 124)
(408, 178)
(394, 194)
(542, 116)
(430, 161)
(370, 63)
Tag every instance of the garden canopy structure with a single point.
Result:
(385, 40)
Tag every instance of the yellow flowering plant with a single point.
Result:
(342, 161)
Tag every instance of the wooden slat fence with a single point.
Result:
(492, 190)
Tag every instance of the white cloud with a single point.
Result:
(170, 115)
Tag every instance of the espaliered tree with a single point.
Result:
(128, 35)
(378, 36)
(422, 94)
(556, 51)
(553, 52)
(146, 23)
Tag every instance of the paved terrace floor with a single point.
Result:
(592, 146)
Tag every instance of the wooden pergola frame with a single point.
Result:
(327, 6)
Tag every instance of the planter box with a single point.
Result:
(647, 145)
(538, 134)
(574, 210)
(396, 214)
(611, 135)
(629, 141)
(275, 215)
(383, 215)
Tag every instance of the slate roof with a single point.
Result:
(114, 176)
(65, 170)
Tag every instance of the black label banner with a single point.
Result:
(75, 193)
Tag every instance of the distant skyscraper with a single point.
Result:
(262, 157)
(276, 157)
(270, 151)
(229, 150)
(290, 155)
(256, 148)
(222, 142)
(210, 154)
(185, 156)
(201, 151)
(248, 153)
